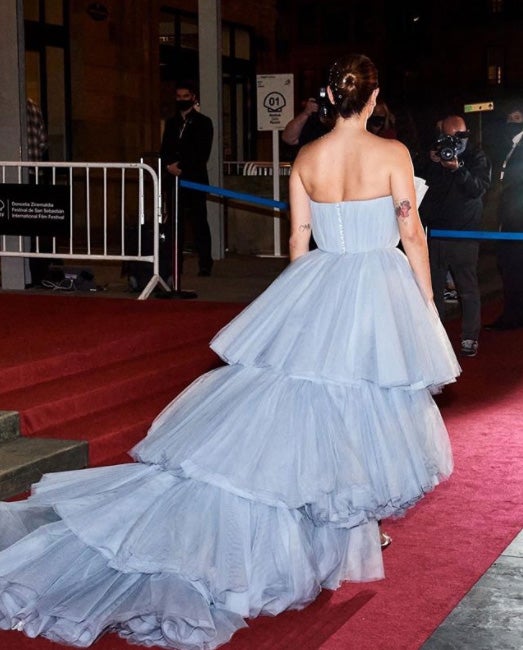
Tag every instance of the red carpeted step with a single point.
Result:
(44, 335)
(27, 360)
(61, 361)
(59, 400)
(112, 432)
(101, 370)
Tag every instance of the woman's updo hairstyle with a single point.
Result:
(352, 79)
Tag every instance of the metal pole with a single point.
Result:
(177, 252)
(176, 238)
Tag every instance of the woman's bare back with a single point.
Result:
(347, 164)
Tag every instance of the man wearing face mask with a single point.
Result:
(510, 213)
(458, 175)
(185, 150)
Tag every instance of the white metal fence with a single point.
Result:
(254, 168)
(109, 205)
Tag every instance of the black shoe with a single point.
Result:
(205, 269)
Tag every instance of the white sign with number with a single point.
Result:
(275, 101)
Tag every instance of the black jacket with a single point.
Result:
(511, 199)
(454, 198)
(189, 144)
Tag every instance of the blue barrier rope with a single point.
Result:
(476, 234)
(281, 205)
(240, 196)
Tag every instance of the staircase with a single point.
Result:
(23, 461)
(85, 400)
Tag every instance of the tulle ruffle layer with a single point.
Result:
(163, 560)
(344, 318)
(346, 453)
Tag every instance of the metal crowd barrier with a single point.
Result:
(254, 168)
(107, 201)
(257, 168)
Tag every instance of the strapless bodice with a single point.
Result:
(355, 226)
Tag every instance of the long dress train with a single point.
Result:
(263, 481)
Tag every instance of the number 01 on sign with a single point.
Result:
(275, 101)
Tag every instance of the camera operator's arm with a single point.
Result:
(291, 133)
(474, 175)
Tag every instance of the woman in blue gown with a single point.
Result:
(263, 482)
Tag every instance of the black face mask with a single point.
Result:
(513, 128)
(184, 104)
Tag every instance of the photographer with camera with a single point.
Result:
(316, 119)
(458, 175)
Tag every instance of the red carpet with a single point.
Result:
(440, 548)
(100, 369)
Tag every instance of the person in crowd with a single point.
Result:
(185, 150)
(37, 147)
(382, 121)
(264, 481)
(457, 175)
(315, 120)
(309, 124)
(510, 216)
(37, 142)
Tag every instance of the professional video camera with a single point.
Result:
(448, 147)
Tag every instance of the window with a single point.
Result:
(178, 33)
(47, 70)
(495, 66)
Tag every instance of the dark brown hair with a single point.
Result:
(352, 79)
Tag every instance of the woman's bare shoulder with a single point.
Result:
(395, 147)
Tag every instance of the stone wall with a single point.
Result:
(114, 79)
(115, 73)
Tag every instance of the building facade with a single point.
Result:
(104, 72)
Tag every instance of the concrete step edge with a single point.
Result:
(23, 461)
(9, 425)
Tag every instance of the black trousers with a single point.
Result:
(510, 263)
(192, 210)
(460, 257)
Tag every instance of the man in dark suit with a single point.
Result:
(185, 150)
(510, 213)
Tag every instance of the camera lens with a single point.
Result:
(447, 153)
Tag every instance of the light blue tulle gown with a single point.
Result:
(263, 481)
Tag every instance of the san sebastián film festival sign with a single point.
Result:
(275, 98)
(34, 210)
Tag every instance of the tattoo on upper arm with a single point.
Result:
(304, 226)
(403, 209)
